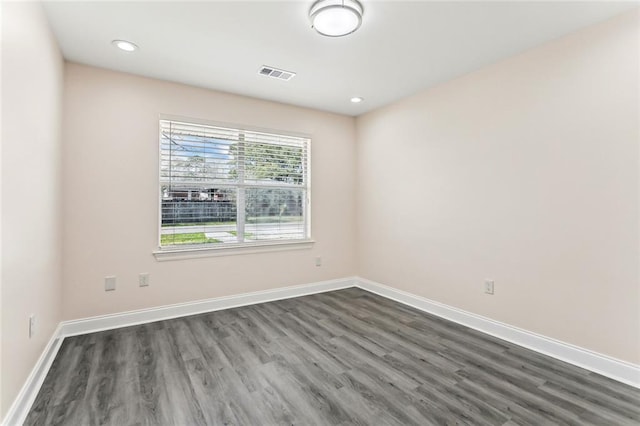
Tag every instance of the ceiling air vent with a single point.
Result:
(276, 73)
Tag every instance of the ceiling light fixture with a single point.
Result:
(356, 99)
(127, 46)
(336, 18)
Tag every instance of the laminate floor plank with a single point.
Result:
(397, 336)
(52, 390)
(422, 372)
(73, 403)
(327, 408)
(184, 340)
(184, 408)
(113, 383)
(493, 366)
(367, 360)
(508, 407)
(377, 397)
(347, 357)
(522, 396)
(594, 413)
(369, 337)
(153, 396)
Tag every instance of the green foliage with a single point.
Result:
(194, 168)
(274, 202)
(171, 225)
(269, 162)
(193, 238)
(275, 219)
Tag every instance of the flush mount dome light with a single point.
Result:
(336, 18)
(125, 45)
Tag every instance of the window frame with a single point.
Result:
(176, 252)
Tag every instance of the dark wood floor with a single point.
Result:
(338, 358)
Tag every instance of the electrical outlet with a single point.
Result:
(32, 325)
(110, 283)
(488, 286)
(143, 279)
(318, 261)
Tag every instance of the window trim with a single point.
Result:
(231, 249)
(192, 251)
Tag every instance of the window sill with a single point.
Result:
(230, 250)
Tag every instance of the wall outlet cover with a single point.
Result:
(110, 283)
(488, 286)
(143, 279)
(32, 325)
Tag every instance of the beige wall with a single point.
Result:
(525, 172)
(110, 131)
(32, 77)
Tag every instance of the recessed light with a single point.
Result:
(356, 99)
(127, 46)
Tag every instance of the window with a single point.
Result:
(224, 187)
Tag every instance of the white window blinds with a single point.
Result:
(223, 186)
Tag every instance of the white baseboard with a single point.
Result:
(125, 319)
(27, 395)
(616, 369)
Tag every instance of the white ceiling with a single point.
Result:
(402, 47)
